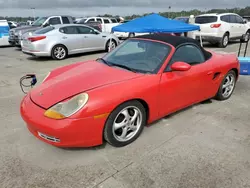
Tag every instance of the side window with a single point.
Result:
(239, 20)
(106, 21)
(54, 21)
(189, 54)
(65, 20)
(225, 18)
(68, 30)
(91, 20)
(99, 20)
(113, 20)
(233, 19)
(85, 30)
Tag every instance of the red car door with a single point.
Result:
(179, 89)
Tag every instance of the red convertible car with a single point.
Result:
(114, 97)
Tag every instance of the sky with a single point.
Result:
(83, 8)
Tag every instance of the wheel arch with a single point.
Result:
(236, 72)
(142, 101)
(52, 46)
(227, 32)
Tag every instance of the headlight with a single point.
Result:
(67, 108)
(20, 33)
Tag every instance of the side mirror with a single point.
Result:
(46, 24)
(96, 32)
(180, 66)
(244, 21)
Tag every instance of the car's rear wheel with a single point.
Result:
(125, 124)
(110, 45)
(227, 86)
(59, 52)
(224, 41)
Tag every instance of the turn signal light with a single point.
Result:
(33, 39)
(215, 25)
(53, 114)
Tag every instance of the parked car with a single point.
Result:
(59, 41)
(4, 33)
(114, 97)
(219, 29)
(12, 24)
(247, 18)
(15, 34)
(184, 19)
(106, 23)
(95, 25)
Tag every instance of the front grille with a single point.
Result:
(49, 138)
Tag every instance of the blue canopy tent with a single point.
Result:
(155, 23)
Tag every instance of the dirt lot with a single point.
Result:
(207, 145)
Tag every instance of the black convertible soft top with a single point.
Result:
(175, 41)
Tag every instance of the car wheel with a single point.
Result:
(131, 35)
(59, 52)
(227, 86)
(224, 41)
(110, 45)
(125, 124)
(247, 36)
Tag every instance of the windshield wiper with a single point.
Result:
(123, 66)
(104, 61)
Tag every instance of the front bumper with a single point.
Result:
(14, 40)
(84, 132)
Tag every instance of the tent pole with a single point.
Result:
(201, 40)
(109, 45)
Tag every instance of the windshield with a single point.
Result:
(182, 19)
(39, 21)
(139, 55)
(205, 19)
(44, 30)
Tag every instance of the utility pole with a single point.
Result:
(33, 11)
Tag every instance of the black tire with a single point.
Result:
(223, 44)
(53, 51)
(219, 96)
(107, 45)
(108, 129)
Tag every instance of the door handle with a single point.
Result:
(85, 37)
(210, 72)
(64, 37)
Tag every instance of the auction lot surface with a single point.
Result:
(207, 145)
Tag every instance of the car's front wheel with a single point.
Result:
(125, 124)
(227, 86)
(110, 45)
(59, 52)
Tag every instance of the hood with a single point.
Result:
(25, 28)
(78, 78)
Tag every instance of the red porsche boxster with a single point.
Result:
(114, 97)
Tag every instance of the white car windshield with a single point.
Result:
(39, 21)
(142, 56)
